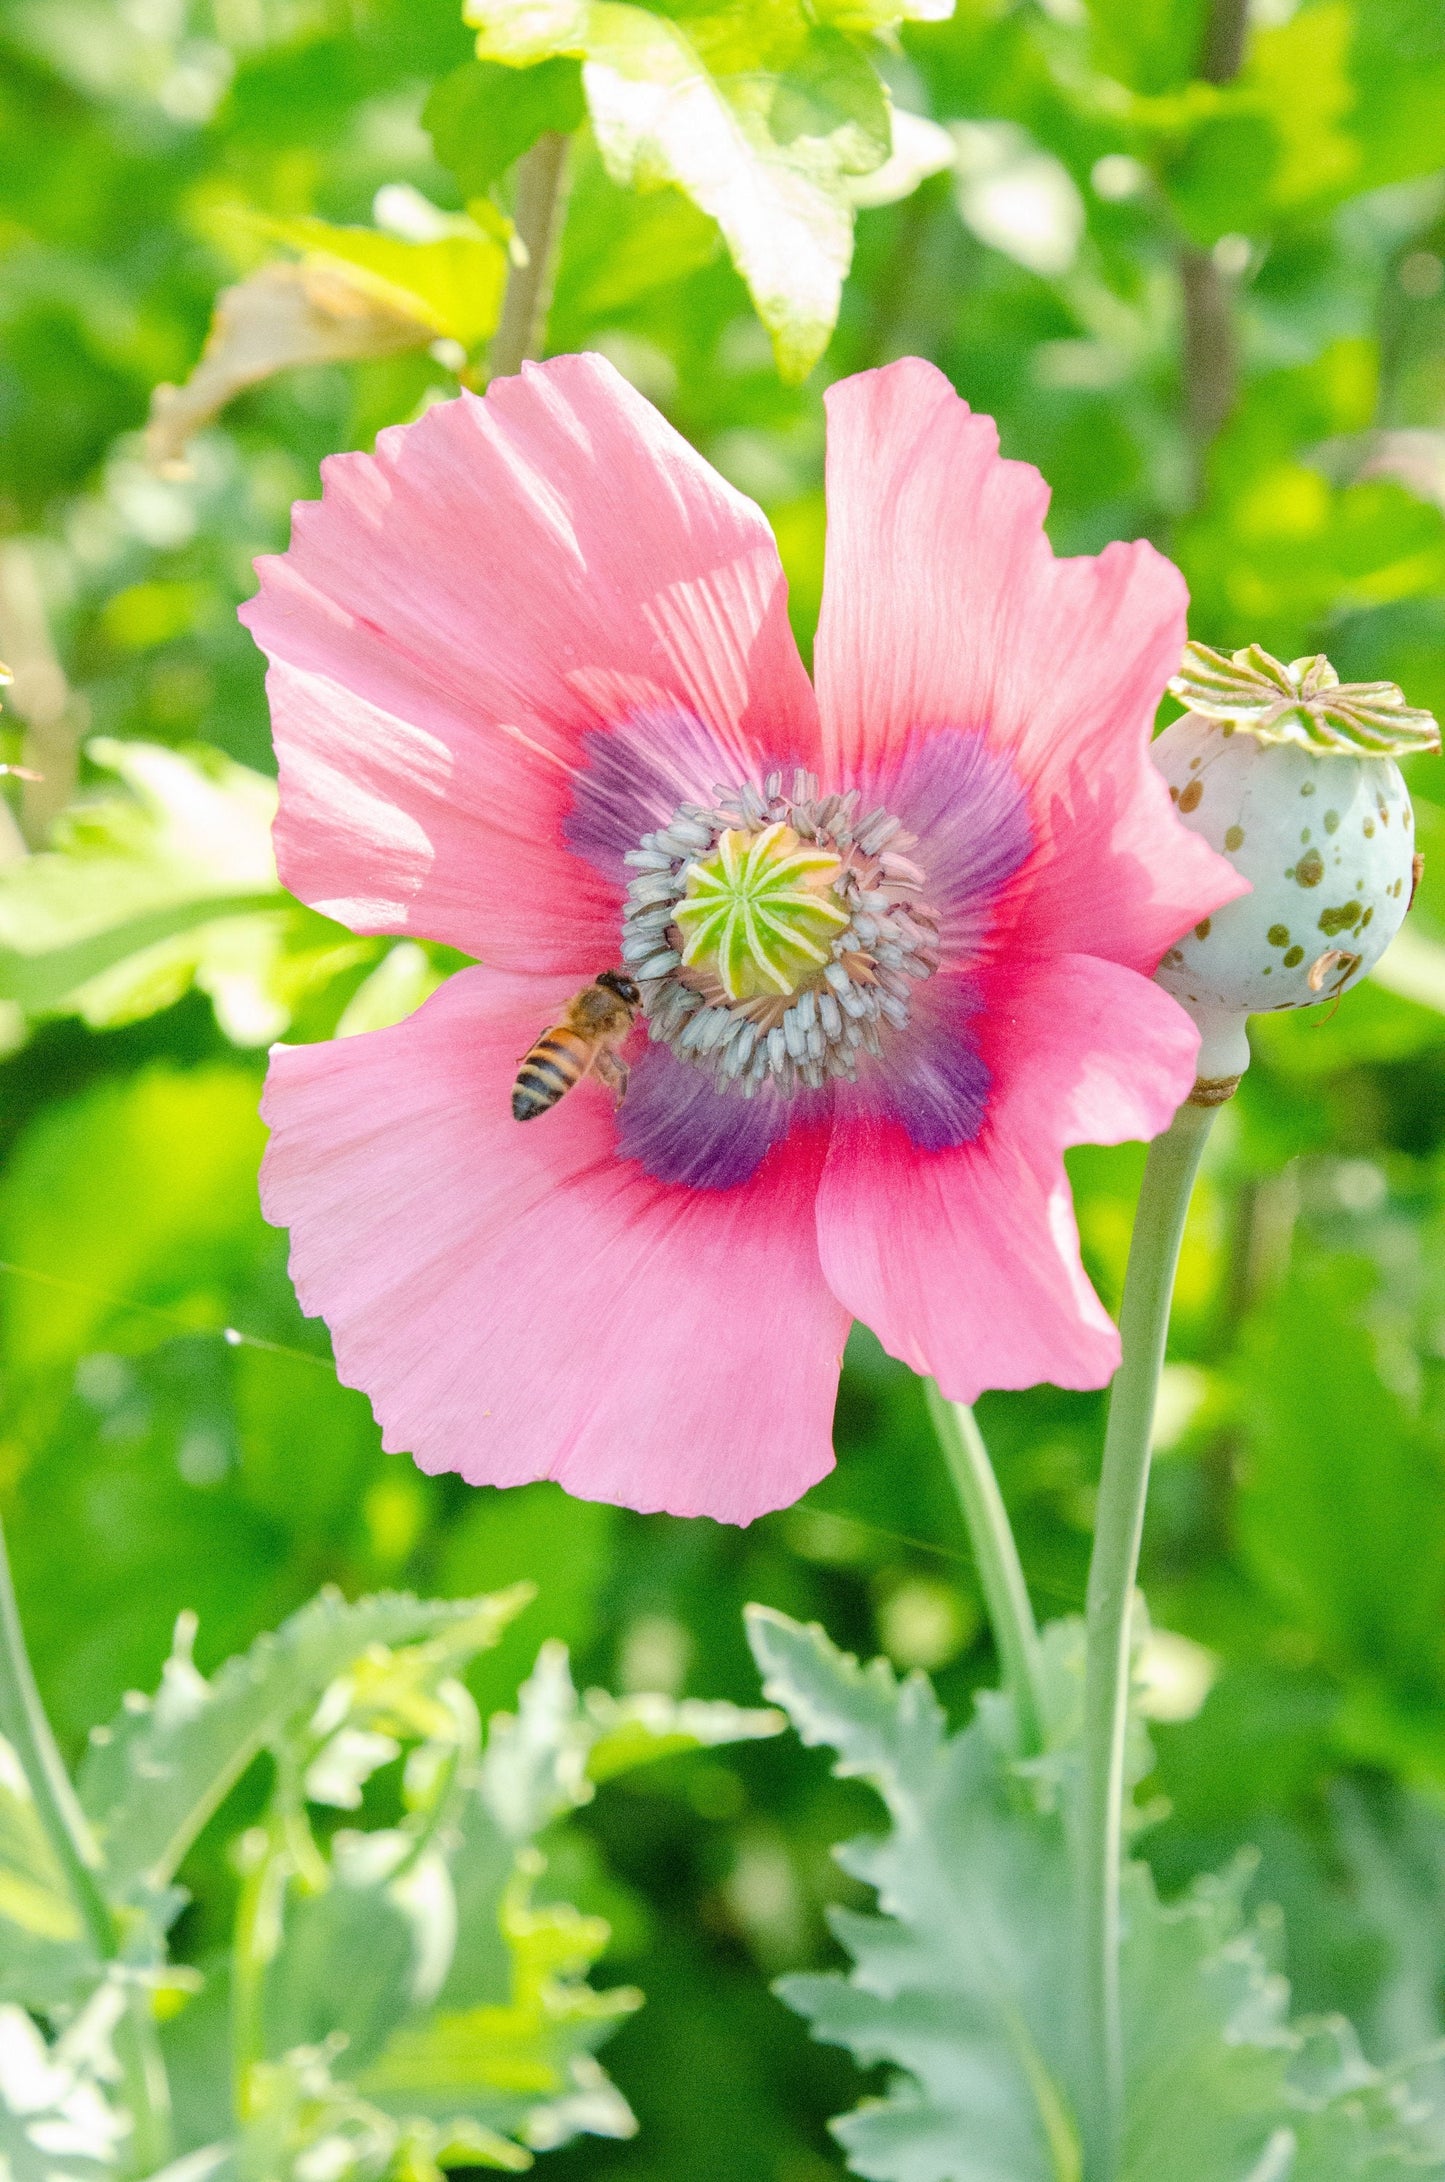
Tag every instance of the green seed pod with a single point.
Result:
(1292, 776)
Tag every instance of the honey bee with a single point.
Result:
(585, 1042)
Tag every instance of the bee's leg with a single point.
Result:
(613, 1073)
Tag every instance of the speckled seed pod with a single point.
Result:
(1291, 776)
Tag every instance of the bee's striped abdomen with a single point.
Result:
(555, 1063)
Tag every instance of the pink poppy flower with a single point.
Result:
(536, 696)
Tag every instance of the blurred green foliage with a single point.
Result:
(1209, 302)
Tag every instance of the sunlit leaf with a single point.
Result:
(963, 1980)
(152, 1778)
(524, 2066)
(764, 117)
(167, 883)
(451, 282)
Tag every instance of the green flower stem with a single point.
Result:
(1118, 1528)
(255, 1939)
(1000, 1571)
(25, 1726)
(147, 2088)
(540, 206)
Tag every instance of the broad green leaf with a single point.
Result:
(964, 1978)
(151, 1780)
(451, 284)
(166, 882)
(763, 116)
(45, 1958)
(483, 116)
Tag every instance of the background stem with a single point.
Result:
(1211, 350)
(540, 203)
(1000, 1570)
(1118, 1529)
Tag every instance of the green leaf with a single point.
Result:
(361, 1954)
(300, 2119)
(544, 1760)
(524, 2066)
(1151, 45)
(762, 115)
(451, 284)
(633, 1731)
(964, 1980)
(152, 1779)
(167, 883)
(459, 2001)
(483, 116)
(45, 1960)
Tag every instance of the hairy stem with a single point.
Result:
(541, 201)
(1000, 1570)
(25, 1727)
(1118, 1528)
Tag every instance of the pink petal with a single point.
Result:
(460, 609)
(966, 1262)
(519, 1302)
(943, 606)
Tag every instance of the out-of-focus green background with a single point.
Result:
(1213, 313)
